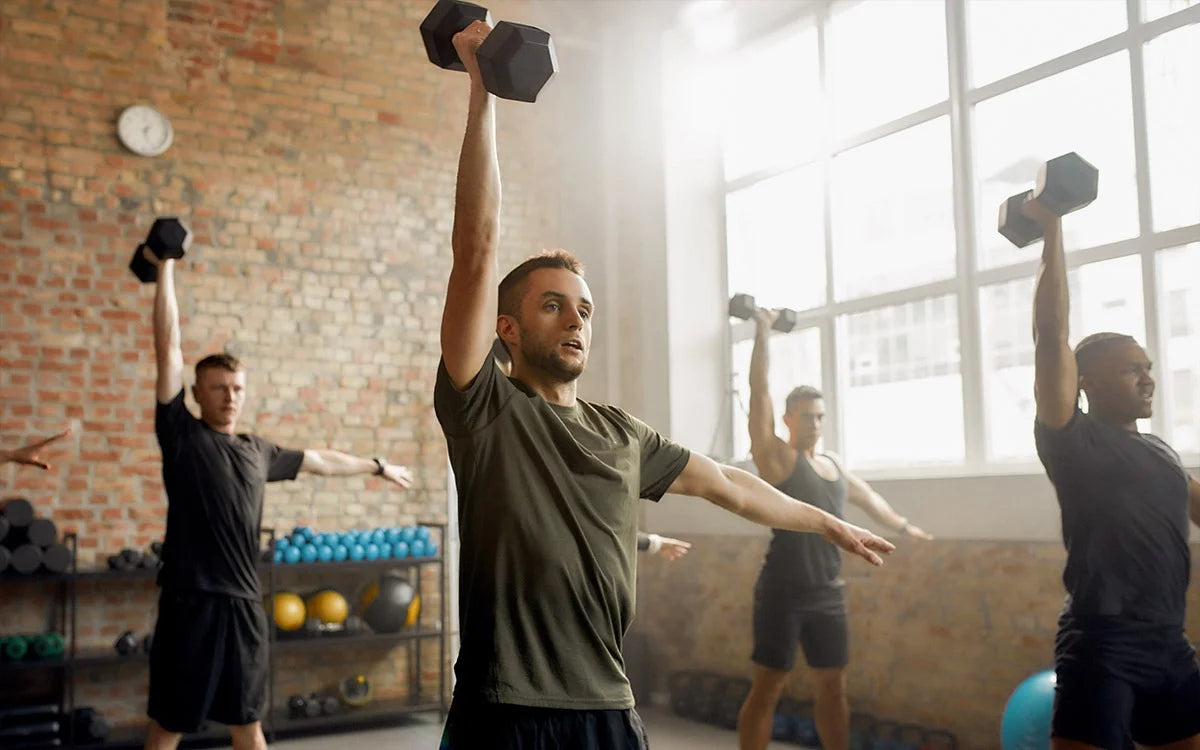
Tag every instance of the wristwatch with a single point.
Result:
(380, 464)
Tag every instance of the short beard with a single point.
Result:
(550, 363)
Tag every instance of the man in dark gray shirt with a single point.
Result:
(1125, 670)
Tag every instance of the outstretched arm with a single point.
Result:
(330, 463)
(469, 317)
(1055, 380)
(861, 494)
(30, 455)
(168, 355)
(746, 495)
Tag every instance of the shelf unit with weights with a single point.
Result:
(276, 723)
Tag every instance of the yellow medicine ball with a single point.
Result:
(288, 611)
(328, 606)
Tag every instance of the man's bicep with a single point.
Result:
(1055, 382)
(469, 321)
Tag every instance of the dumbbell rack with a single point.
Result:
(65, 595)
(276, 723)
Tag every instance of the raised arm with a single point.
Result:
(31, 455)
(1055, 380)
(168, 354)
(769, 452)
(746, 495)
(469, 317)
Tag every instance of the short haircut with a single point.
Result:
(512, 288)
(220, 361)
(801, 393)
(1090, 350)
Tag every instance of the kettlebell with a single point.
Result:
(126, 644)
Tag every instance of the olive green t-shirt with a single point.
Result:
(547, 509)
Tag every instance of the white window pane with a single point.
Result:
(893, 212)
(776, 240)
(901, 396)
(795, 360)
(1152, 9)
(1086, 110)
(1178, 369)
(1006, 36)
(910, 35)
(1172, 123)
(773, 106)
(1105, 296)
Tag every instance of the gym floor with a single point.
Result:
(667, 732)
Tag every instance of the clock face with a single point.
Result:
(144, 130)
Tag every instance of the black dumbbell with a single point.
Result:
(147, 643)
(297, 705)
(167, 239)
(743, 307)
(1064, 184)
(157, 547)
(18, 511)
(57, 558)
(5, 559)
(149, 560)
(330, 705)
(42, 532)
(515, 61)
(26, 559)
(312, 706)
(129, 559)
(126, 643)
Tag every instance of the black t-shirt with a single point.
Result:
(1124, 502)
(215, 484)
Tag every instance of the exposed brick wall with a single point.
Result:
(314, 160)
(939, 637)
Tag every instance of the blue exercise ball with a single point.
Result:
(371, 551)
(357, 552)
(324, 553)
(392, 535)
(283, 543)
(400, 550)
(378, 536)
(309, 554)
(1026, 722)
(422, 533)
(385, 551)
(431, 548)
(417, 548)
(340, 553)
(291, 555)
(408, 534)
(277, 556)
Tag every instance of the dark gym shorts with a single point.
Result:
(814, 618)
(208, 661)
(1121, 682)
(476, 725)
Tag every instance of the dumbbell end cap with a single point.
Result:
(516, 61)
(1014, 225)
(168, 238)
(447, 18)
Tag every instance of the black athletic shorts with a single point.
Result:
(1120, 684)
(208, 661)
(814, 618)
(475, 725)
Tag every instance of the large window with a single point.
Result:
(847, 135)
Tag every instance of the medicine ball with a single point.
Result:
(389, 603)
(328, 606)
(288, 611)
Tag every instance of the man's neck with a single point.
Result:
(555, 392)
(228, 429)
(1113, 420)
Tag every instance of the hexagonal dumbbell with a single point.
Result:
(743, 307)
(167, 239)
(515, 60)
(1064, 184)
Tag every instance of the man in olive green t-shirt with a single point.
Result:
(548, 486)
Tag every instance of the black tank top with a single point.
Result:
(804, 560)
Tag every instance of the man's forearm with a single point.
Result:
(166, 313)
(477, 196)
(1051, 306)
(883, 513)
(760, 361)
(337, 464)
(757, 501)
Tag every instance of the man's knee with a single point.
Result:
(158, 738)
(830, 683)
(768, 685)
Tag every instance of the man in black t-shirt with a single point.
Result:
(209, 655)
(1125, 670)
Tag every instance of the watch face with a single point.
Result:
(144, 130)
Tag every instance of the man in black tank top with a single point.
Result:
(798, 598)
(1125, 670)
